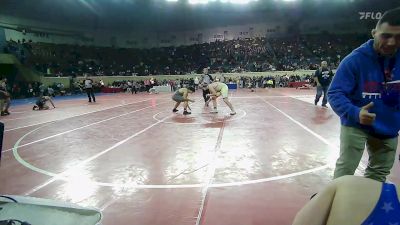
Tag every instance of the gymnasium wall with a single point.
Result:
(109, 79)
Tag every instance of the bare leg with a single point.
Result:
(208, 101)
(1, 105)
(7, 105)
(185, 106)
(214, 101)
(176, 106)
(229, 104)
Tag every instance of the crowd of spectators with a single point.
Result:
(231, 56)
(241, 55)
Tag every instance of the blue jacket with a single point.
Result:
(360, 80)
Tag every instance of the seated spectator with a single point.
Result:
(243, 55)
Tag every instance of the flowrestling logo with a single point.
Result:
(370, 15)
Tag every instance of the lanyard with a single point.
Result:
(387, 72)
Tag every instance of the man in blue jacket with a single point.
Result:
(365, 94)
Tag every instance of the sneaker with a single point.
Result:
(233, 113)
(175, 110)
(315, 102)
(7, 112)
(214, 111)
(186, 113)
(325, 106)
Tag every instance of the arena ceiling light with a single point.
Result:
(224, 1)
(239, 1)
(199, 1)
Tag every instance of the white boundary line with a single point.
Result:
(59, 101)
(108, 204)
(232, 118)
(171, 186)
(325, 141)
(19, 111)
(77, 115)
(210, 174)
(75, 106)
(63, 175)
(262, 180)
(26, 117)
(266, 96)
(79, 128)
(334, 147)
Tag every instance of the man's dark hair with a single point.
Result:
(392, 17)
(192, 88)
